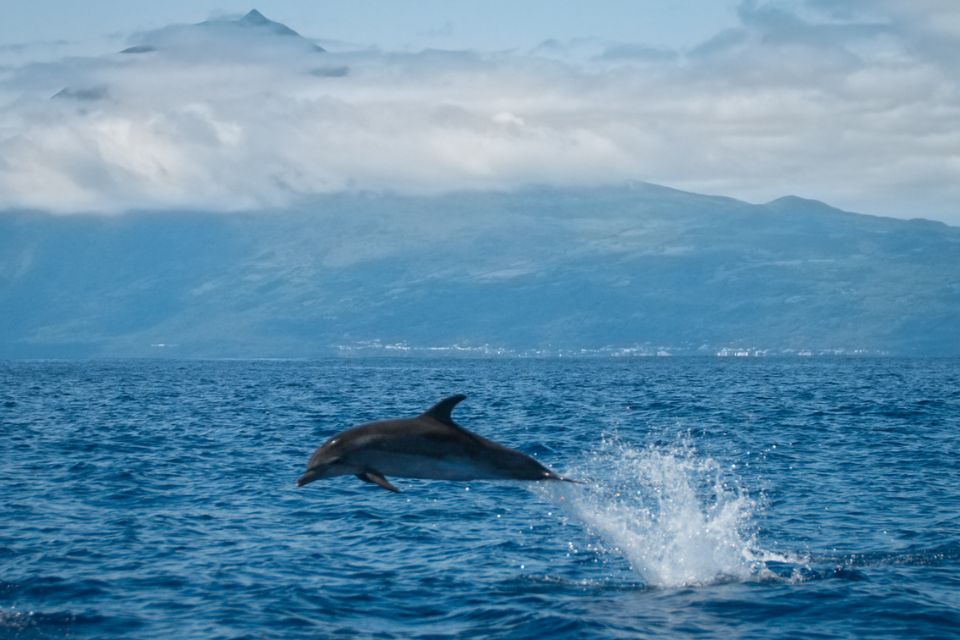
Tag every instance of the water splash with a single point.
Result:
(678, 518)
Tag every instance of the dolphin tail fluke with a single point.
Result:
(377, 479)
(557, 476)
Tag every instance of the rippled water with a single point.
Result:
(757, 498)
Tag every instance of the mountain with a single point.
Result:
(251, 36)
(638, 269)
(256, 20)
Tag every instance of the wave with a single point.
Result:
(21, 622)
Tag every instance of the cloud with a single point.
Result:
(856, 103)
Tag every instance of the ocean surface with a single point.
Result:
(728, 498)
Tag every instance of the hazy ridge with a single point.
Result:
(634, 270)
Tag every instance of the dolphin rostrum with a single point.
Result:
(430, 446)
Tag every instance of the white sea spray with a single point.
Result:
(677, 517)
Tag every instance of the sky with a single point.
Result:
(390, 24)
(853, 102)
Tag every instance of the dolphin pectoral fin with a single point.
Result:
(377, 479)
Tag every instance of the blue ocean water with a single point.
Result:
(720, 498)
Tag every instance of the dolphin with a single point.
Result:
(430, 446)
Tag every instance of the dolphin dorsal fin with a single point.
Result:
(441, 411)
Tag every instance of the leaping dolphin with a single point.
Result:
(430, 446)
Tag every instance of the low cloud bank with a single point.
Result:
(856, 103)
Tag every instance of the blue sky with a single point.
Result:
(476, 24)
(854, 102)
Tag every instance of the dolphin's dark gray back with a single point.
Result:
(431, 445)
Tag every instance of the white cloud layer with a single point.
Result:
(856, 103)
